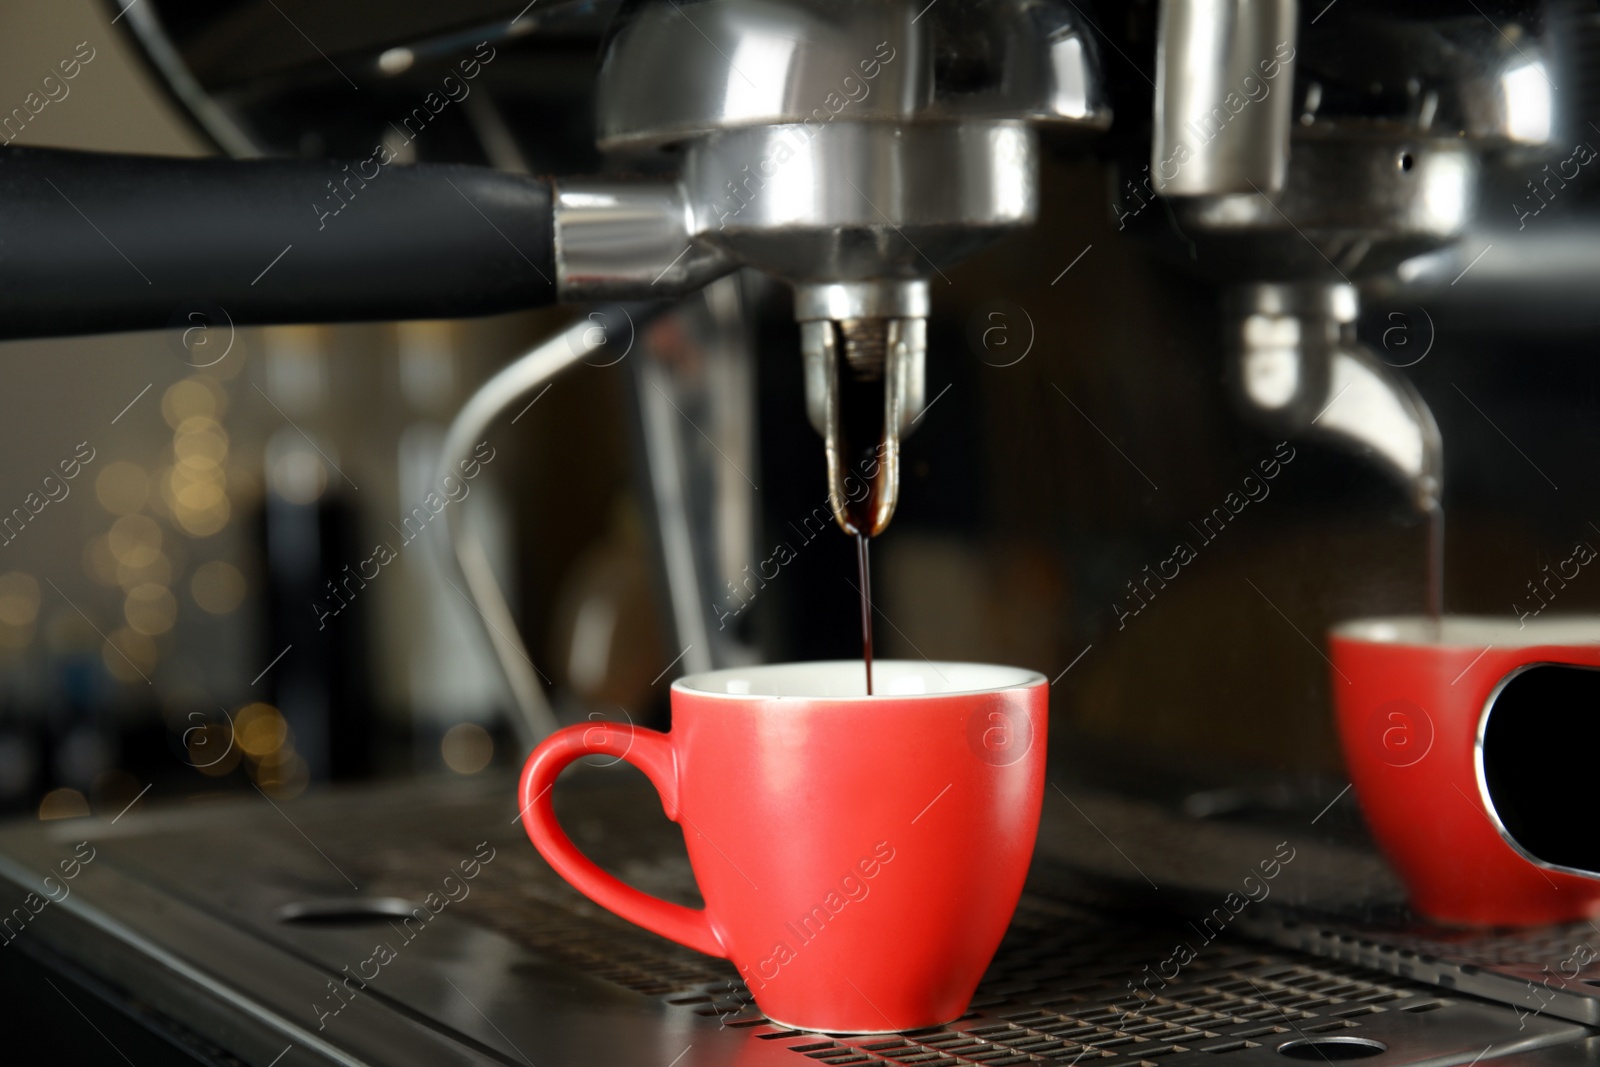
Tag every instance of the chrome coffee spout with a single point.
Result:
(866, 332)
(1296, 364)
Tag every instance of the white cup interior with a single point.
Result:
(847, 679)
(1475, 631)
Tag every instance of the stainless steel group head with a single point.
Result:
(853, 148)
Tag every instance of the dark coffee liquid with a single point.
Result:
(861, 432)
(864, 569)
(860, 438)
(1436, 565)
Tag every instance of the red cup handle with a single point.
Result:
(647, 750)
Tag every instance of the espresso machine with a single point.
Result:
(794, 233)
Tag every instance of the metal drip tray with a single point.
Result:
(248, 925)
(1551, 970)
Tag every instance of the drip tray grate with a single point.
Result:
(1551, 970)
(1073, 981)
(1064, 986)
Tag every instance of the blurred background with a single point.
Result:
(177, 619)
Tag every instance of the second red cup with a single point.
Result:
(1465, 741)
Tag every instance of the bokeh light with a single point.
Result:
(63, 804)
(467, 748)
(19, 607)
(150, 609)
(299, 476)
(283, 775)
(19, 599)
(157, 571)
(218, 587)
(200, 443)
(260, 730)
(122, 487)
(135, 540)
(195, 488)
(197, 396)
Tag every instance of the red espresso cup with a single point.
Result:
(860, 856)
(1465, 741)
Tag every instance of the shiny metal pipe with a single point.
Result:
(629, 241)
(533, 370)
(1224, 96)
(1297, 366)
